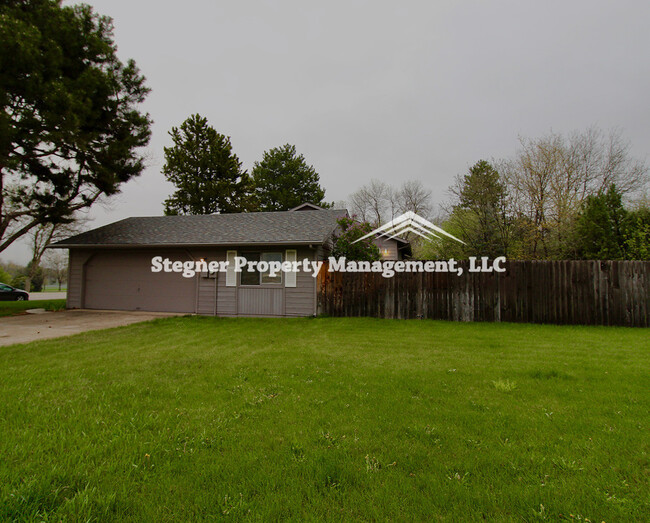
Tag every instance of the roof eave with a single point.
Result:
(178, 245)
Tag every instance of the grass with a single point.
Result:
(53, 288)
(504, 385)
(327, 419)
(9, 308)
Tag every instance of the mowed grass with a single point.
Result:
(10, 308)
(54, 288)
(327, 419)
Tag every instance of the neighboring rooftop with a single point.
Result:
(284, 227)
(307, 207)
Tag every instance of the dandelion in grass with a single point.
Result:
(372, 464)
(504, 385)
(457, 476)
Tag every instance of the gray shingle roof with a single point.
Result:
(284, 227)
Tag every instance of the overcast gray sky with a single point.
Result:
(375, 89)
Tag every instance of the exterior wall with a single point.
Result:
(273, 300)
(76, 262)
(387, 248)
(121, 279)
(301, 299)
(226, 296)
(260, 301)
(206, 285)
(206, 299)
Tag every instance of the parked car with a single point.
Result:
(9, 293)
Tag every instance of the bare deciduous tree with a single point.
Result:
(56, 262)
(370, 202)
(379, 202)
(413, 196)
(43, 235)
(550, 177)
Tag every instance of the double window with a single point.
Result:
(257, 277)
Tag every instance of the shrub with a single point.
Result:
(19, 281)
(5, 277)
(350, 231)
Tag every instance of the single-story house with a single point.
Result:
(111, 267)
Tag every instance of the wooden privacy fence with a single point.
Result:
(561, 292)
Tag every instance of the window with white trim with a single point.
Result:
(255, 277)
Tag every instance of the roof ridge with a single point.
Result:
(251, 213)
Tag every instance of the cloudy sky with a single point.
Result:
(376, 89)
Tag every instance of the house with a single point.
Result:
(393, 248)
(111, 267)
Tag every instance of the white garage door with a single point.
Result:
(124, 281)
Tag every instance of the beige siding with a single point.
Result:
(301, 299)
(387, 249)
(207, 295)
(260, 301)
(76, 261)
(206, 292)
(226, 299)
(269, 301)
(226, 296)
(123, 280)
(321, 253)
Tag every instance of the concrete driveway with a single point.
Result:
(32, 327)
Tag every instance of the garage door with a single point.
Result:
(124, 281)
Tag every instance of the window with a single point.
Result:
(231, 275)
(290, 277)
(250, 277)
(261, 278)
(271, 257)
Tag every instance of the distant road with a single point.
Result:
(46, 296)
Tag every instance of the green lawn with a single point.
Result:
(9, 308)
(327, 419)
(54, 288)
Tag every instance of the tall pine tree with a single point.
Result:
(207, 174)
(283, 180)
(481, 211)
(600, 231)
(71, 124)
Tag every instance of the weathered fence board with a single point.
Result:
(561, 292)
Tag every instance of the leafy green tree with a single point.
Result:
(600, 230)
(207, 174)
(549, 178)
(34, 277)
(283, 180)
(479, 217)
(5, 277)
(19, 281)
(70, 125)
(443, 247)
(351, 230)
(637, 235)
